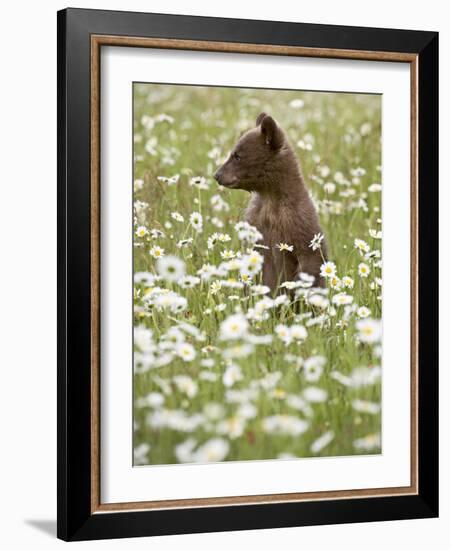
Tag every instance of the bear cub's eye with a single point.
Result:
(236, 157)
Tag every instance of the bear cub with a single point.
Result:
(264, 163)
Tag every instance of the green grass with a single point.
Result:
(332, 134)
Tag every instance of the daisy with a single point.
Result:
(140, 454)
(227, 254)
(185, 384)
(196, 220)
(206, 271)
(170, 268)
(315, 395)
(373, 255)
(156, 252)
(224, 237)
(284, 247)
(324, 171)
(232, 375)
(259, 290)
(179, 304)
(184, 242)
(321, 442)
(341, 378)
(342, 299)
(339, 178)
(189, 281)
(316, 241)
(214, 411)
(141, 231)
(306, 277)
(142, 338)
(303, 144)
(317, 300)
(284, 424)
(215, 287)
(348, 282)
(170, 181)
(374, 188)
(208, 376)
(150, 146)
(145, 278)
(298, 403)
(138, 185)
(217, 222)
(264, 304)
(234, 327)
(363, 312)
(163, 117)
(335, 283)
(183, 451)
(162, 358)
(369, 330)
(232, 265)
(170, 300)
(367, 443)
(173, 338)
(155, 399)
(281, 300)
(365, 129)
(366, 406)
(328, 269)
(375, 234)
(365, 376)
(248, 233)
(251, 264)
(214, 450)
(313, 367)
(284, 334)
(208, 362)
(298, 332)
(361, 245)
(241, 396)
(177, 216)
(278, 393)
(233, 427)
(246, 279)
(217, 237)
(259, 339)
(290, 285)
(363, 270)
(155, 233)
(192, 331)
(199, 182)
(218, 204)
(297, 103)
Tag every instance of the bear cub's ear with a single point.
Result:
(270, 130)
(260, 118)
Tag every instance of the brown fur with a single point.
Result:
(264, 163)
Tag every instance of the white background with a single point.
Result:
(28, 278)
(119, 481)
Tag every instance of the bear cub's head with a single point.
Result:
(254, 156)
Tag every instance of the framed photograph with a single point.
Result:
(247, 252)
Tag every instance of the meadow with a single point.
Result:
(223, 369)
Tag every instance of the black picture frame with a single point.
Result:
(75, 518)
